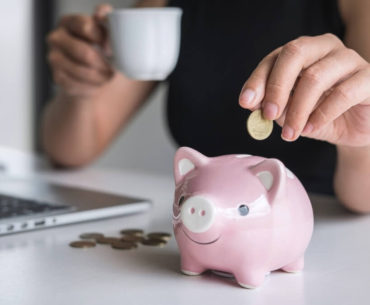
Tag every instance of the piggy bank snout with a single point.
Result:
(197, 214)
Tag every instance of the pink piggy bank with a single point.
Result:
(240, 214)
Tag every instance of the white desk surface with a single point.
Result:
(40, 268)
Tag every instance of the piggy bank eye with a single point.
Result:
(181, 200)
(243, 210)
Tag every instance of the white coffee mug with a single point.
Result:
(145, 41)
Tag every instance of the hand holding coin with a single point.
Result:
(299, 87)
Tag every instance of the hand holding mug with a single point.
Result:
(76, 50)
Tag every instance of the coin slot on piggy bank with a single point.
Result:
(239, 214)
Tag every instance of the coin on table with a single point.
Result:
(93, 235)
(132, 238)
(82, 244)
(258, 127)
(107, 240)
(159, 235)
(138, 232)
(153, 242)
(121, 245)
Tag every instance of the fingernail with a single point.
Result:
(247, 97)
(270, 111)
(288, 133)
(307, 129)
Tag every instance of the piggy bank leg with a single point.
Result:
(251, 278)
(189, 267)
(295, 266)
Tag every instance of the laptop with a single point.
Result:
(29, 205)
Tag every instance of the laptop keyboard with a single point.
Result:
(11, 206)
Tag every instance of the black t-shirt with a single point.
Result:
(221, 44)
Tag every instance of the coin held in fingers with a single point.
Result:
(258, 127)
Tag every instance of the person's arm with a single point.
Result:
(318, 87)
(352, 176)
(76, 129)
(94, 101)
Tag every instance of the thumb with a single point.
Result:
(101, 12)
(100, 16)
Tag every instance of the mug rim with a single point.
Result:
(146, 10)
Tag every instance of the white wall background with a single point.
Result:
(145, 143)
(16, 94)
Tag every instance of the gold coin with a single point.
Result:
(159, 235)
(107, 240)
(258, 127)
(153, 242)
(138, 232)
(82, 244)
(120, 245)
(93, 235)
(133, 238)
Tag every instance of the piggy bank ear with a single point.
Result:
(271, 173)
(186, 160)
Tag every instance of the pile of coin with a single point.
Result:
(258, 127)
(128, 239)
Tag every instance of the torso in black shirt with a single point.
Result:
(221, 44)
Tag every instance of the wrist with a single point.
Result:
(351, 179)
(72, 104)
(65, 96)
(354, 157)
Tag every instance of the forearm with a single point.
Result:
(75, 131)
(352, 178)
(68, 130)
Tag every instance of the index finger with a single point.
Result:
(253, 90)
